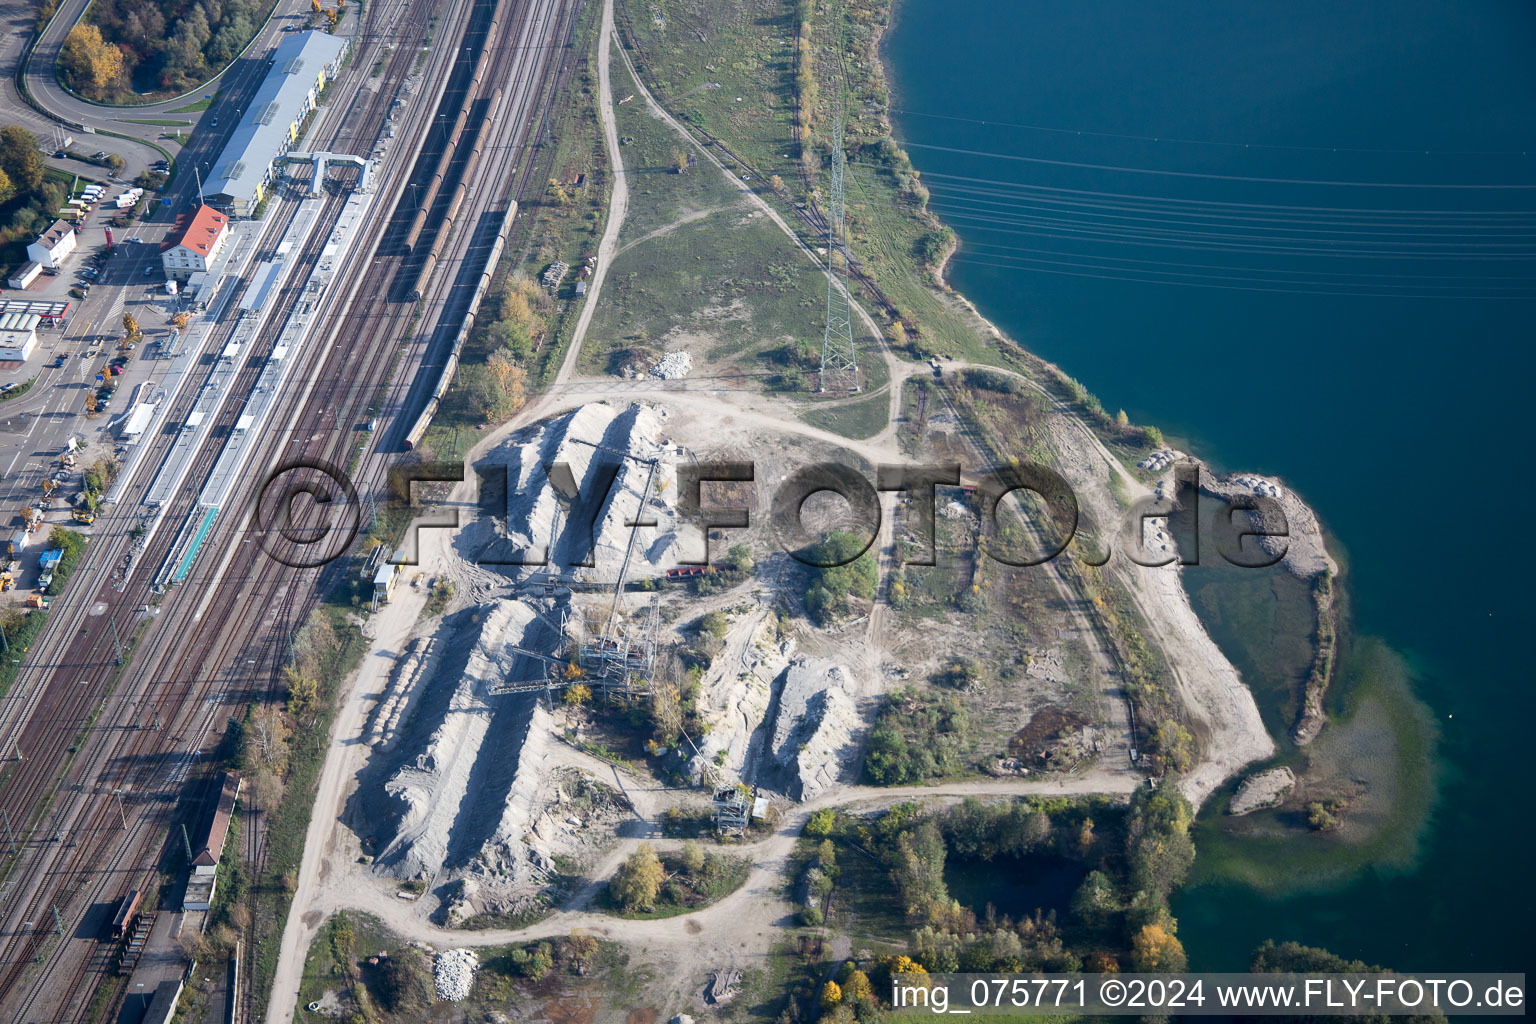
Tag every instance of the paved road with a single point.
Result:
(72, 112)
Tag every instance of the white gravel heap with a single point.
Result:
(432, 791)
(673, 366)
(541, 523)
(455, 974)
(812, 734)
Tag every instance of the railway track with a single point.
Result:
(79, 809)
(46, 738)
(233, 639)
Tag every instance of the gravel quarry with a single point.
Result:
(459, 793)
(556, 499)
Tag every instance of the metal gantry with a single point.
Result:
(617, 659)
(839, 363)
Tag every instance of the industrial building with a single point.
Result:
(243, 173)
(203, 878)
(53, 245)
(192, 244)
(18, 336)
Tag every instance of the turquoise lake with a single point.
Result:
(1299, 237)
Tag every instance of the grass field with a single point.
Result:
(658, 194)
(701, 268)
(859, 419)
(742, 89)
(752, 57)
(192, 108)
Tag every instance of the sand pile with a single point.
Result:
(459, 784)
(813, 727)
(565, 506)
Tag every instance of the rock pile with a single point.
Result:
(813, 726)
(401, 693)
(538, 516)
(673, 366)
(455, 974)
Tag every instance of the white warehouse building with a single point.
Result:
(243, 172)
(18, 336)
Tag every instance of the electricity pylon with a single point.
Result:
(839, 364)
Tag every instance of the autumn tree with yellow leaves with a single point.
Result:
(92, 63)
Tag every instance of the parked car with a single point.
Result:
(7, 387)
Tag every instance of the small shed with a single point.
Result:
(26, 275)
(384, 580)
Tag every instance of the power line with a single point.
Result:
(1174, 241)
(1005, 250)
(1281, 147)
(1208, 176)
(1173, 200)
(839, 362)
(1049, 267)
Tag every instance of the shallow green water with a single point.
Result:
(1395, 402)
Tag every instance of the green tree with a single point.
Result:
(715, 625)
(1095, 900)
(638, 879)
(843, 567)
(739, 558)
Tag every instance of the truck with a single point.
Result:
(43, 581)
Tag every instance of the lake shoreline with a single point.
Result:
(1310, 715)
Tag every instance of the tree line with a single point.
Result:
(125, 47)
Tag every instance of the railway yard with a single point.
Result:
(108, 722)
